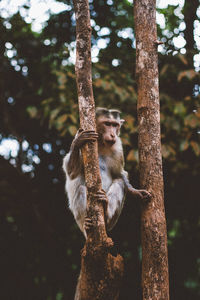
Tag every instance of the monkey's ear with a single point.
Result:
(122, 122)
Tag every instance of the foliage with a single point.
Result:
(40, 241)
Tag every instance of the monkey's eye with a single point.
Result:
(107, 123)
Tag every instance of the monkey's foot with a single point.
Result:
(102, 197)
(88, 224)
(108, 243)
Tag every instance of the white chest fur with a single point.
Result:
(106, 177)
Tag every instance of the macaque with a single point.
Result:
(111, 162)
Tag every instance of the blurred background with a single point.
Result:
(39, 241)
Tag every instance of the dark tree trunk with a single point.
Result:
(101, 272)
(155, 283)
(190, 14)
(189, 11)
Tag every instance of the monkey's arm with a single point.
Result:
(75, 183)
(74, 163)
(142, 194)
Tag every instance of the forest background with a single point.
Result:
(39, 240)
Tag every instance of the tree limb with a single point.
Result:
(153, 224)
(101, 272)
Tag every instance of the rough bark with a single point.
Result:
(155, 283)
(101, 272)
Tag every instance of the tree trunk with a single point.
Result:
(190, 14)
(155, 282)
(101, 272)
(189, 11)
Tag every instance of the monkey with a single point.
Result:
(115, 182)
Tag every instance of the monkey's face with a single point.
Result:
(108, 130)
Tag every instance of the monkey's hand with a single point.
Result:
(84, 136)
(143, 195)
(140, 194)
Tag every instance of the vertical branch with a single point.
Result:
(190, 14)
(101, 273)
(153, 224)
(84, 81)
(87, 109)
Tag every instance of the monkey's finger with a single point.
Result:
(88, 136)
(100, 196)
(88, 226)
(101, 192)
(94, 136)
(88, 140)
(88, 223)
(89, 130)
(140, 195)
(82, 142)
(149, 195)
(146, 197)
(88, 220)
(89, 133)
(145, 194)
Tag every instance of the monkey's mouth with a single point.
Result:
(110, 142)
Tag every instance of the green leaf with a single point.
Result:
(62, 118)
(72, 130)
(54, 114)
(10, 219)
(179, 108)
(190, 74)
(59, 296)
(192, 121)
(73, 118)
(184, 145)
(32, 111)
(167, 150)
(195, 147)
